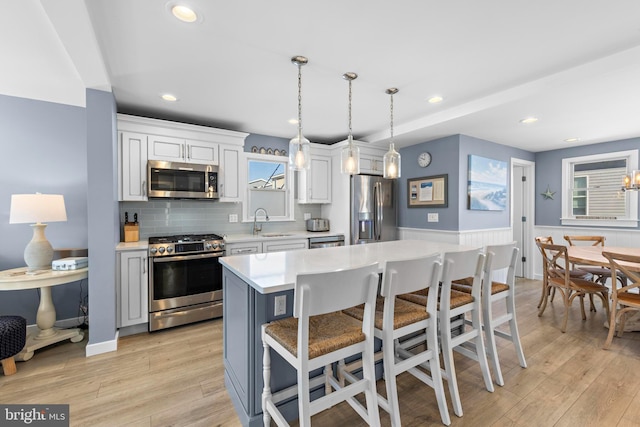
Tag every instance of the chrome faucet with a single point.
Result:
(258, 228)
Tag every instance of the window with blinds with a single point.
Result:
(592, 190)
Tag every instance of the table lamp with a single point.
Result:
(37, 208)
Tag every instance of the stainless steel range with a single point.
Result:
(185, 279)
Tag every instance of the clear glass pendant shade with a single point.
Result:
(299, 153)
(350, 159)
(392, 163)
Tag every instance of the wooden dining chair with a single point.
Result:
(600, 273)
(318, 335)
(625, 299)
(556, 262)
(396, 319)
(454, 306)
(575, 272)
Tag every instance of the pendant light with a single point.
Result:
(350, 153)
(392, 157)
(299, 146)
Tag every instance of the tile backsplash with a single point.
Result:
(166, 217)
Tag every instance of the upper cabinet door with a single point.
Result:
(133, 170)
(229, 175)
(201, 152)
(314, 185)
(166, 148)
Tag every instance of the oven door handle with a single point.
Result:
(187, 257)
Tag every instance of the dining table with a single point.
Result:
(592, 255)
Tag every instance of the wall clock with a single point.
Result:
(424, 159)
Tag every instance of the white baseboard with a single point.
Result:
(102, 347)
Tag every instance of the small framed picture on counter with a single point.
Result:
(427, 191)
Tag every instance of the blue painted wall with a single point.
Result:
(549, 173)
(450, 156)
(103, 213)
(43, 150)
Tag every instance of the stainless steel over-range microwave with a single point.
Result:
(172, 180)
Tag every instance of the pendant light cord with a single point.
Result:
(350, 136)
(299, 101)
(391, 123)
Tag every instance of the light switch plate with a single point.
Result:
(233, 217)
(432, 217)
(307, 215)
(280, 305)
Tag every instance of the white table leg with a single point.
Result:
(47, 334)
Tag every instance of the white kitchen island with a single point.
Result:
(251, 284)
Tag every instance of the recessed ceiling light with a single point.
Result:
(169, 97)
(573, 139)
(184, 13)
(435, 99)
(529, 120)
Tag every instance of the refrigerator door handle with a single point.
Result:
(377, 219)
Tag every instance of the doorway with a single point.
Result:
(522, 213)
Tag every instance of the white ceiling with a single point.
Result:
(573, 64)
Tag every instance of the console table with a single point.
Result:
(18, 278)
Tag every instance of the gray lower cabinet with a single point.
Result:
(132, 290)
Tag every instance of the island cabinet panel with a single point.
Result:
(245, 310)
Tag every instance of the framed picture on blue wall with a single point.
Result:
(487, 184)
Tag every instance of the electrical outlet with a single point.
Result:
(233, 217)
(280, 305)
(432, 217)
(307, 215)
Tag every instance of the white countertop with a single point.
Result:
(133, 246)
(278, 235)
(276, 271)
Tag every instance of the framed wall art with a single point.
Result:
(427, 191)
(487, 184)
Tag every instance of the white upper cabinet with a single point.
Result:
(132, 148)
(181, 150)
(371, 163)
(229, 173)
(142, 139)
(314, 185)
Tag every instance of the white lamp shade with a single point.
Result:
(37, 208)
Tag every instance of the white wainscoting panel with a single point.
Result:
(475, 238)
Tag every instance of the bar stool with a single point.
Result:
(318, 335)
(395, 319)
(453, 305)
(499, 258)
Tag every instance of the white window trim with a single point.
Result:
(244, 170)
(567, 183)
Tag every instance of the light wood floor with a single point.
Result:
(175, 378)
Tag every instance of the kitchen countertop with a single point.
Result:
(143, 244)
(278, 235)
(276, 271)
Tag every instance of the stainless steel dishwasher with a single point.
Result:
(326, 241)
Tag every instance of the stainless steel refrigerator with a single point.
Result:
(373, 209)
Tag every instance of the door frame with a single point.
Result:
(529, 171)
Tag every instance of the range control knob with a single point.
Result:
(161, 249)
(207, 246)
(221, 245)
(215, 245)
(169, 249)
(153, 250)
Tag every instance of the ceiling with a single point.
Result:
(574, 65)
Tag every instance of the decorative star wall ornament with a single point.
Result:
(548, 195)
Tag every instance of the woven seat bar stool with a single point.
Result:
(395, 319)
(13, 336)
(453, 305)
(499, 258)
(318, 335)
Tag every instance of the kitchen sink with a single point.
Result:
(275, 235)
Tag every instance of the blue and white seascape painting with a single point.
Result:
(487, 184)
